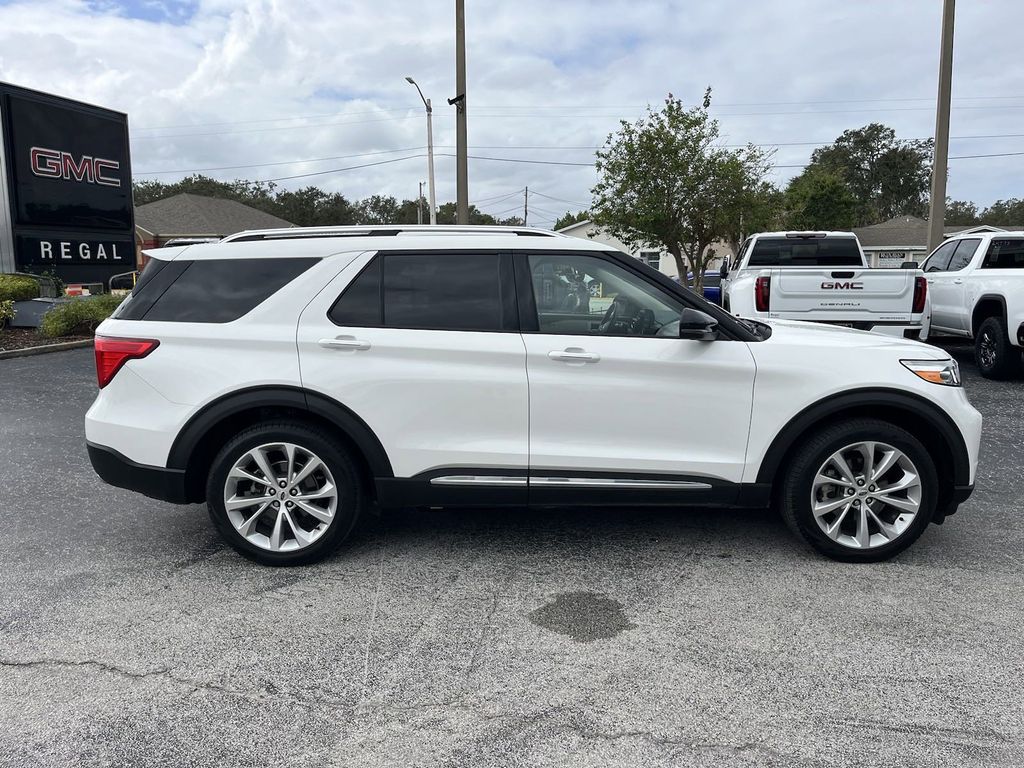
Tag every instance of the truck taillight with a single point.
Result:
(920, 293)
(112, 353)
(762, 293)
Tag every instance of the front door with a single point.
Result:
(617, 400)
(946, 284)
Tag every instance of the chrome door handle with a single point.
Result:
(574, 355)
(344, 342)
(958, 281)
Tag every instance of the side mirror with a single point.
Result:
(697, 325)
(723, 271)
(908, 265)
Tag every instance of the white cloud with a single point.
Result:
(540, 73)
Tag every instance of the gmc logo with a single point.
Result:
(57, 164)
(848, 286)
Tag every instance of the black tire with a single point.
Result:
(353, 498)
(798, 478)
(995, 356)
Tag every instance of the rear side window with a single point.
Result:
(964, 252)
(805, 252)
(1007, 253)
(435, 291)
(209, 291)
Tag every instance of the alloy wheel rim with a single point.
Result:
(280, 497)
(866, 495)
(988, 349)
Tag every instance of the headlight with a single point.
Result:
(946, 372)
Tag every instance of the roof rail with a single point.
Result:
(383, 230)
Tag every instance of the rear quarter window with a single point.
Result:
(208, 291)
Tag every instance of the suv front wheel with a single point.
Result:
(860, 491)
(284, 493)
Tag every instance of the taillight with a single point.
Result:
(112, 353)
(762, 293)
(920, 293)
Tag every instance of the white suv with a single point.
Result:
(295, 379)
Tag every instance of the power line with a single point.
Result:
(349, 168)
(562, 200)
(286, 162)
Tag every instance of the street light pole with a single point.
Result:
(430, 150)
(461, 159)
(937, 207)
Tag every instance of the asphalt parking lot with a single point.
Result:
(130, 636)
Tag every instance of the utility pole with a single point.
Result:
(419, 205)
(461, 160)
(526, 204)
(937, 209)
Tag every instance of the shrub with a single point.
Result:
(18, 288)
(79, 316)
(6, 311)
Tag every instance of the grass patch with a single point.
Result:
(78, 316)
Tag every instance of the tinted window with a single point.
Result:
(939, 260)
(456, 291)
(359, 304)
(805, 252)
(222, 290)
(1007, 253)
(962, 256)
(156, 277)
(581, 294)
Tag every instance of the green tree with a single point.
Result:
(377, 209)
(820, 199)
(887, 176)
(571, 218)
(961, 213)
(1004, 213)
(664, 180)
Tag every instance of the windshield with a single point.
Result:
(806, 252)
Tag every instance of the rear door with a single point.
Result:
(425, 349)
(617, 401)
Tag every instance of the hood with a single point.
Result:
(833, 336)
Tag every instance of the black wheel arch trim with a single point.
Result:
(907, 401)
(1001, 300)
(316, 404)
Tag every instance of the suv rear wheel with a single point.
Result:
(996, 357)
(284, 493)
(860, 491)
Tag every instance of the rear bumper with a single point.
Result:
(155, 482)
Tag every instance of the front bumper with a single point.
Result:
(155, 482)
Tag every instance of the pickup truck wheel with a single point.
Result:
(284, 493)
(860, 491)
(995, 356)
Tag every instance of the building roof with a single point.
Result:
(909, 232)
(197, 215)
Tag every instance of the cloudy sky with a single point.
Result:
(273, 89)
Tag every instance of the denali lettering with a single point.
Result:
(57, 164)
(85, 252)
(847, 286)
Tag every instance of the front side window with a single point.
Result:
(939, 260)
(588, 295)
(964, 252)
(1007, 253)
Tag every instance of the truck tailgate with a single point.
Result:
(842, 295)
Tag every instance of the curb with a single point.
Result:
(31, 351)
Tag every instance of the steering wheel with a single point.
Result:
(618, 317)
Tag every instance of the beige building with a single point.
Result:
(651, 255)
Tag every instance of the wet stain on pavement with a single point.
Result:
(582, 616)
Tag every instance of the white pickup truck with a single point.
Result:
(823, 277)
(976, 281)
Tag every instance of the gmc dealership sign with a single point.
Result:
(57, 164)
(65, 188)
